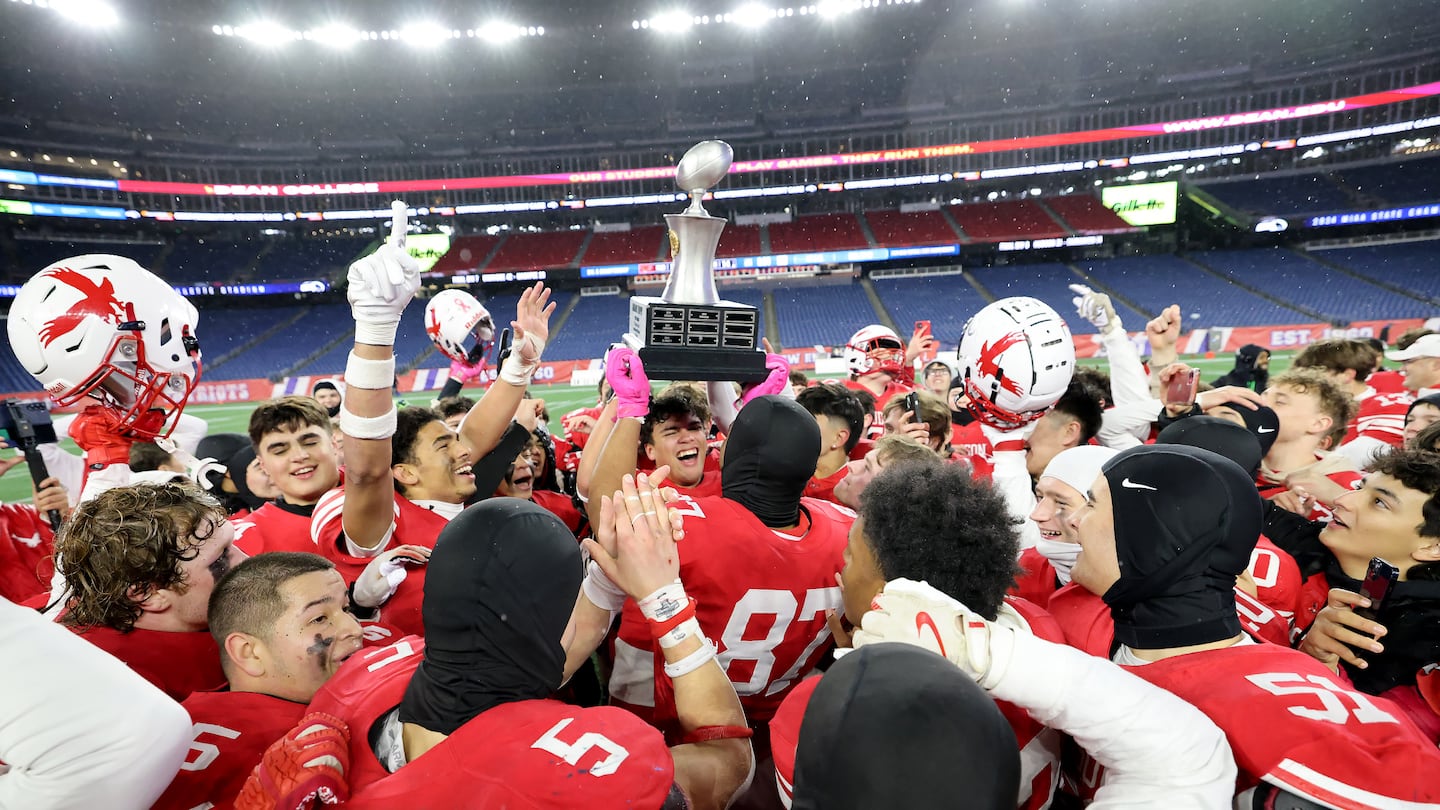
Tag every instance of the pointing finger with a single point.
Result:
(399, 223)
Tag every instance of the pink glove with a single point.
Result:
(464, 372)
(776, 383)
(627, 378)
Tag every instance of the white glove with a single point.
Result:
(382, 284)
(382, 577)
(914, 613)
(1002, 440)
(1095, 308)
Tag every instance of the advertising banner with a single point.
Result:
(1144, 204)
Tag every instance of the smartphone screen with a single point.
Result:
(1380, 577)
(912, 404)
(922, 327)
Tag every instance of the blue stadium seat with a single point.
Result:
(200, 260)
(1050, 283)
(1294, 277)
(946, 301)
(1413, 266)
(319, 325)
(1284, 196)
(1155, 282)
(821, 315)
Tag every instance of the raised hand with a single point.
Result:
(382, 284)
(627, 379)
(776, 383)
(531, 328)
(1095, 308)
(921, 340)
(1163, 331)
(382, 577)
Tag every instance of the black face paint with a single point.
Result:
(219, 565)
(320, 650)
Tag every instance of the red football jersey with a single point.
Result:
(894, 388)
(1387, 382)
(1036, 582)
(559, 505)
(232, 731)
(271, 528)
(1290, 723)
(1085, 620)
(414, 525)
(1348, 479)
(178, 663)
(707, 487)
(27, 546)
(1380, 416)
(1277, 578)
(577, 429)
(824, 488)
(531, 753)
(1039, 746)
(761, 596)
(969, 440)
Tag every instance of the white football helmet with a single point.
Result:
(459, 326)
(104, 327)
(1016, 358)
(875, 348)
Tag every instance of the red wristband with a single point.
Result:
(658, 629)
(1009, 445)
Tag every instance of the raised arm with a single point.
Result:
(487, 421)
(632, 403)
(381, 284)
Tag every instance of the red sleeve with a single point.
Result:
(231, 732)
(1036, 581)
(27, 546)
(1381, 417)
(785, 735)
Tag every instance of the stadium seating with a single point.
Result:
(1086, 214)
(1284, 196)
(311, 258)
(1016, 219)
(1296, 278)
(13, 376)
(946, 301)
(1155, 282)
(316, 328)
(595, 323)
(202, 260)
(34, 255)
(1411, 266)
(535, 251)
(642, 244)
(1049, 283)
(738, 240)
(466, 254)
(817, 232)
(1405, 183)
(898, 229)
(822, 315)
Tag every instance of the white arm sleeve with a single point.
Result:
(79, 729)
(1128, 380)
(1362, 450)
(1128, 425)
(189, 430)
(67, 467)
(722, 403)
(1012, 480)
(1157, 750)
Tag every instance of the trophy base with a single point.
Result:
(734, 365)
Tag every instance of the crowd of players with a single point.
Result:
(1007, 582)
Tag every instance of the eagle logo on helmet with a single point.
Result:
(988, 361)
(95, 299)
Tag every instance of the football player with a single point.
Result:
(842, 425)
(1379, 421)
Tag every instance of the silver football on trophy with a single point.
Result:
(704, 166)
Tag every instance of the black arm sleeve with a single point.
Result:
(490, 469)
(1298, 537)
(451, 388)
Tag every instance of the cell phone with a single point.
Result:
(504, 347)
(1380, 578)
(1182, 387)
(912, 404)
(922, 327)
(27, 425)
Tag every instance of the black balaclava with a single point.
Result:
(1262, 422)
(333, 411)
(892, 725)
(769, 457)
(1245, 374)
(1186, 520)
(235, 452)
(499, 589)
(1218, 436)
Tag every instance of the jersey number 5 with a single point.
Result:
(572, 752)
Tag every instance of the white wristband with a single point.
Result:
(601, 592)
(693, 661)
(663, 605)
(680, 632)
(515, 370)
(377, 333)
(368, 427)
(369, 375)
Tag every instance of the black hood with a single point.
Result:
(770, 456)
(1186, 521)
(499, 589)
(895, 726)
(1218, 436)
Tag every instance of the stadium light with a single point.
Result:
(751, 15)
(335, 35)
(836, 8)
(425, 34)
(498, 33)
(267, 33)
(671, 22)
(95, 13)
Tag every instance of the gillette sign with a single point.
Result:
(1145, 204)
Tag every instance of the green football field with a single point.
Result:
(559, 399)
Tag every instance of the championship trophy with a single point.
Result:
(688, 333)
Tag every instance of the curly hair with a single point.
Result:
(128, 542)
(1426, 439)
(676, 400)
(932, 522)
(1418, 469)
(1335, 402)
